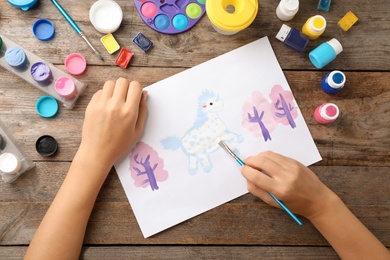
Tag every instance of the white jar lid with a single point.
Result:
(106, 16)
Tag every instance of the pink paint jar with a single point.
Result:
(65, 87)
(326, 113)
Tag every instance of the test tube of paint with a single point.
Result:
(16, 58)
(333, 82)
(41, 73)
(326, 113)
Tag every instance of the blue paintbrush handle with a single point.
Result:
(67, 17)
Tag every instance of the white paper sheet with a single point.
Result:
(166, 187)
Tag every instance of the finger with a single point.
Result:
(121, 88)
(257, 178)
(143, 111)
(108, 89)
(265, 165)
(134, 95)
(283, 161)
(261, 194)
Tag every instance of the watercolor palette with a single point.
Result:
(13, 161)
(39, 73)
(171, 16)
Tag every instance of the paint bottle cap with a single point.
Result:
(287, 9)
(329, 111)
(106, 16)
(23, 4)
(46, 145)
(65, 87)
(317, 23)
(43, 29)
(75, 63)
(336, 45)
(336, 79)
(41, 72)
(283, 32)
(3, 143)
(9, 163)
(47, 106)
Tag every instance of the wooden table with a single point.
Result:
(355, 148)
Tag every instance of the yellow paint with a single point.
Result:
(232, 15)
(318, 23)
(110, 43)
(314, 27)
(347, 21)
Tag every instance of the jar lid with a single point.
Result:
(23, 4)
(46, 145)
(75, 63)
(106, 16)
(43, 29)
(47, 106)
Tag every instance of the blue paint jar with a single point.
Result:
(325, 53)
(16, 58)
(292, 38)
(333, 82)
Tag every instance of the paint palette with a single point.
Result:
(171, 16)
(39, 73)
(13, 161)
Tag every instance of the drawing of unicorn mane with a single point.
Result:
(206, 97)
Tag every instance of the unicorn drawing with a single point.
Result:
(202, 138)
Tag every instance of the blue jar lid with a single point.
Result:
(47, 106)
(43, 29)
(23, 4)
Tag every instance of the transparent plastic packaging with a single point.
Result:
(13, 161)
(26, 72)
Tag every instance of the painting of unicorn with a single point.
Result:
(202, 138)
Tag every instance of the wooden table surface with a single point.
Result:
(355, 148)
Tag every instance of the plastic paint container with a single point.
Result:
(142, 41)
(66, 88)
(326, 113)
(106, 16)
(9, 163)
(23, 4)
(230, 17)
(314, 27)
(124, 58)
(293, 38)
(46, 106)
(46, 145)
(75, 63)
(110, 43)
(325, 53)
(3, 143)
(333, 82)
(41, 72)
(43, 29)
(16, 58)
(287, 9)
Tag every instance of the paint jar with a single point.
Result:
(326, 113)
(106, 16)
(293, 38)
(325, 53)
(41, 73)
(46, 145)
(231, 16)
(314, 27)
(65, 87)
(333, 82)
(3, 143)
(16, 58)
(287, 9)
(9, 163)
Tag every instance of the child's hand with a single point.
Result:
(114, 120)
(289, 181)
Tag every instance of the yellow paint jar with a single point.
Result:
(231, 16)
(110, 43)
(314, 27)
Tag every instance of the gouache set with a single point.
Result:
(178, 169)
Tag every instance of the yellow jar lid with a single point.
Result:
(241, 16)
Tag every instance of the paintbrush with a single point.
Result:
(75, 27)
(241, 163)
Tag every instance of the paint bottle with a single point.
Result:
(323, 5)
(326, 113)
(230, 17)
(314, 27)
(333, 82)
(293, 38)
(41, 73)
(16, 58)
(65, 87)
(9, 163)
(287, 9)
(325, 53)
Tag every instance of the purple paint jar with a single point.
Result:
(41, 72)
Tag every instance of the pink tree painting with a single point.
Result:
(258, 117)
(146, 167)
(283, 107)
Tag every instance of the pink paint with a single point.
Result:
(75, 63)
(326, 113)
(66, 88)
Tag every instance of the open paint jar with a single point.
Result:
(16, 58)
(106, 16)
(41, 73)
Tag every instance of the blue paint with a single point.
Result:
(143, 42)
(333, 82)
(16, 57)
(325, 53)
(292, 38)
(180, 22)
(162, 22)
(323, 5)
